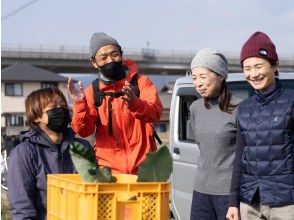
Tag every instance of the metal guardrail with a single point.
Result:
(72, 49)
(84, 50)
(81, 52)
(44, 48)
(147, 55)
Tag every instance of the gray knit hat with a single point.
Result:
(99, 40)
(212, 60)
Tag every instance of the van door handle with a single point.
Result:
(177, 150)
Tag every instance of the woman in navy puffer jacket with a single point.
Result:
(43, 150)
(263, 173)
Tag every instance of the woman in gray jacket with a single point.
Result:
(44, 149)
(214, 127)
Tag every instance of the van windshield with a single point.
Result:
(244, 90)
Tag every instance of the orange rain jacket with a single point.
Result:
(132, 134)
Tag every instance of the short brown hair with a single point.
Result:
(38, 100)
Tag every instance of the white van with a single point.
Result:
(182, 144)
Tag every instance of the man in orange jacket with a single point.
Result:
(126, 108)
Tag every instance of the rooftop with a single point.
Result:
(26, 73)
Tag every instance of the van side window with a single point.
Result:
(187, 96)
(244, 90)
(241, 89)
(289, 84)
(185, 129)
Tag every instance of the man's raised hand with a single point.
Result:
(76, 94)
(130, 94)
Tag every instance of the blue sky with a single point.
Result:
(167, 24)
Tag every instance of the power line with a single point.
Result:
(16, 11)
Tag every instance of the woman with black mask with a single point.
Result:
(44, 149)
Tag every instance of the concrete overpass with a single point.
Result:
(73, 59)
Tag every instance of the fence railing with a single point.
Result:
(85, 49)
(82, 51)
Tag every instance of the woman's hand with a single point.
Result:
(233, 213)
(75, 94)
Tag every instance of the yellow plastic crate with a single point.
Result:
(70, 198)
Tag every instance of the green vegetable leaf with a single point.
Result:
(104, 175)
(157, 166)
(85, 163)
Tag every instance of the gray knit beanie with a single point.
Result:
(99, 40)
(212, 60)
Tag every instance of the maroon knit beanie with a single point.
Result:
(259, 45)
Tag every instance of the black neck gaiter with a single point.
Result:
(113, 71)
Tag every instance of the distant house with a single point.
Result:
(17, 81)
(168, 88)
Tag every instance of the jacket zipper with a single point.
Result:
(127, 153)
(60, 161)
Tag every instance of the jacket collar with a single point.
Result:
(268, 96)
(39, 137)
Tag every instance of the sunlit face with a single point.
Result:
(57, 102)
(259, 73)
(206, 82)
(105, 55)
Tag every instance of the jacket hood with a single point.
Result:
(132, 67)
(38, 136)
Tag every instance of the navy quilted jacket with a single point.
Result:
(267, 124)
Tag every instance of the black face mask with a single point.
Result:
(113, 70)
(58, 119)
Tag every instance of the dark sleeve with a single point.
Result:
(293, 113)
(21, 184)
(237, 170)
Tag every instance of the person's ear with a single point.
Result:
(37, 120)
(221, 78)
(277, 66)
(94, 64)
